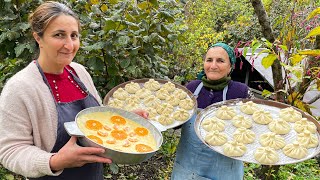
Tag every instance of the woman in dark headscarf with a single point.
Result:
(194, 160)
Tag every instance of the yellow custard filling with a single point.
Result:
(115, 132)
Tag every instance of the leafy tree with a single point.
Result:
(16, 49)
(207, 22)
(120, 40)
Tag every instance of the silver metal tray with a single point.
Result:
(272, 106)
(141, 82)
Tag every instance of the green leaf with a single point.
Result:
(256, 46)
(114, 168)
(104, 8)
(154, 2)
(167, 16)
(263, 51)
(266, 93)
(125, 63)
(315, 52)
(96, 46)
(113, 1)
(313, 13)
(268, 60)
(19, 49)
(94, 1)
(172, 37)
(109, 25)
(112, 69)
(283, 47)
(295, 59)
(144, 5)
(123, 40)
(268, 43)
(95, 64)
(9, 177)
(245, 50)
(314, 32)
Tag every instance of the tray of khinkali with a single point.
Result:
(169, 104)
(259, 131)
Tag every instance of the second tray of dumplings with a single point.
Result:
(168, 104)
(256, 138)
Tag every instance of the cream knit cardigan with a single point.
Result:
(28, 121)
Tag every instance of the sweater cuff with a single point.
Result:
(44, 165)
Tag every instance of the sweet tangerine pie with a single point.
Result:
(116, 132)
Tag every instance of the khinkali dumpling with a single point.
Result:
(152, 113)
(266, 155)
(304, 124)
(279, 126)
(162, 93)
(169, 86)
(165, 108)
(295, 150)
(273, 140)
(165, 119)
(132, 99)
(244, 135)
(143, 93)
(116, 103)
(180, 93)
(241, 121)
(234, 148)
(132, 87)
(186, 104)
(249, 107)
(262, 117)
(121, 94)
(181, 115)
(151, 101)
(132, 106)
(225, 112)
(152, 85)
(173, 100)
(307, 139)
(289, 114)
(212, 124)
(215, 138)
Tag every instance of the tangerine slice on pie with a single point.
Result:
(118, 120)
(94, 125)
(143, 148)
(119, 134)
(140, 131)
(95, 139)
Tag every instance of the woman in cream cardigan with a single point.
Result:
(36, 102)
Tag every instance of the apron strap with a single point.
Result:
(198, 89)
(77, 79)
(224, 93)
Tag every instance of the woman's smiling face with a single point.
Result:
(217, 63)
(59, 43)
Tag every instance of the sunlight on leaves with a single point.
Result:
(314, 32)
(295, 59)
(268, 60)
(104, 8)
(315, 52)
(314, 13)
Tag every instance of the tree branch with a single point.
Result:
(268, 34)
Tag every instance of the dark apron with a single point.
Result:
(194, 160)
(66, 113)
